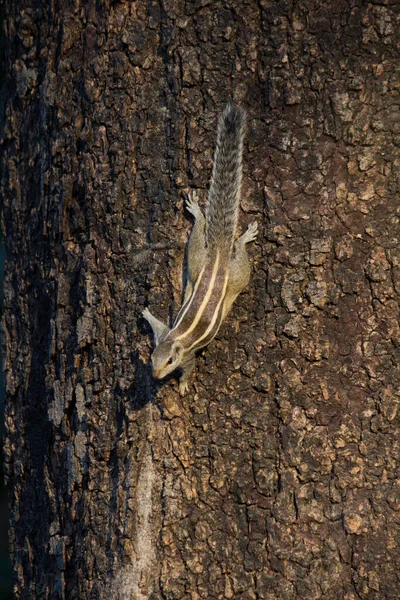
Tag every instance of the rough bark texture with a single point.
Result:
(277, 476)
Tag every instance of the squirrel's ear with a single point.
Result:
(178, 349)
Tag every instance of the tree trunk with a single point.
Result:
(276, 476)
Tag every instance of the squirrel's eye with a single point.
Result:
(169, 361)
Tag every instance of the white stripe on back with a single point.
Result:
(203, 305)
(214, 319)
(176, 325)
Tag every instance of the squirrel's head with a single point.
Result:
(166, 358)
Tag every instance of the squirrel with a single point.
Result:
(218, 268)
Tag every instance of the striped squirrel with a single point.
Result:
(218, 269)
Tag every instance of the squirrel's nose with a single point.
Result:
(156, 373)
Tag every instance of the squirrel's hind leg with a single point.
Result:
(196, 251)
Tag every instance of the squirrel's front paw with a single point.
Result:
(183, 387)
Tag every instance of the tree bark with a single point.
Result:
(277, 475)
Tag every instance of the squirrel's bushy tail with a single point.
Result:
(224, 194)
